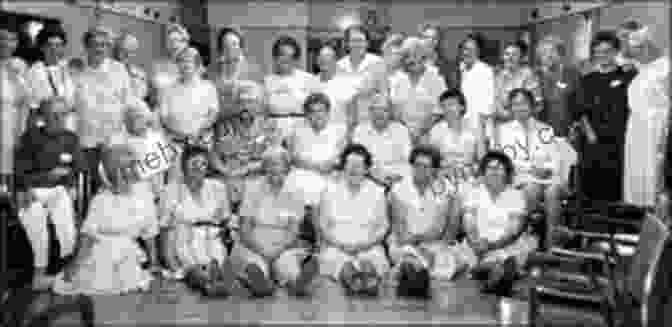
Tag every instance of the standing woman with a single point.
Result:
(164, 72)
(477, 82)
(288, 86)
(189, 108)
(50, 77)
(336, 86)
(603, 112)
(13, 100)
(649, 102)
(232, 67)
(102, 92)
(513, 74)
(415, 90)
(366, 69)
(125, 49)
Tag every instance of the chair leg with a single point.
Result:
(534, 307)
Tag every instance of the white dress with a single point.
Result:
(196, 244)
(649, 103)
(286, 94)
(114, 221)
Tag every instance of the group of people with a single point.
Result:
(409, 166)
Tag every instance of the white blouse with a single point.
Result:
(286, 94)
(493, 218)
(353, 218)
(416, 103)
(187, 108)
(318, 147)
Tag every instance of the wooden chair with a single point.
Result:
(630, 292)
(18, 299)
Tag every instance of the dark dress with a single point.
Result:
(603, 99)
(558, 91)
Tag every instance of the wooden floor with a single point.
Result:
(455, 303)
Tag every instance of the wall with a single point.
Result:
(77, 19)
(655, 13)
(263, 21)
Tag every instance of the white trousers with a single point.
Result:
(285, 268)
(54, 202)
(333, 259)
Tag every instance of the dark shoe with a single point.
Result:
(309, 271)
(256, 281)
(414, 282)
(370, 279)
(502, 278)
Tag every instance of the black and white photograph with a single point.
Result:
(211, 163)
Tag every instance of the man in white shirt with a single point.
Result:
(51, 77)
(389, 142)
(424, 220)
(477, 82)
(534, 151)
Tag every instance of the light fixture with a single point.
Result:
(347, 21)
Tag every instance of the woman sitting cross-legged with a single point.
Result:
(192, 211)
(423, 211)
(353, 223)
(496, 245)
(109, 259)
(269, 248)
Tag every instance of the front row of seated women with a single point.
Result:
(409, 234)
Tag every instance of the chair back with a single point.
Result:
(645, 262)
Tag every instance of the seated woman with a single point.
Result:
(424, 219)
(389, 142)
(496, 245)
(191, 211)
(269, 248)
(242, 139)
(147, 145)
(48, 162)
(315, 145)
(109, 259)
(534, 151)
(353, 223)
(461, 147)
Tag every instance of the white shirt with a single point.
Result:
(365, 77)
(420, 213)
(47, 81)
(389, 147)
(528, 148)
(416, 103)
(272, 213)
(478, 86)
(368, 62)
(353, 218)
(493, 218)
(453, 147)
(341, 90)
(318, 147)
(186, 108)
(100, 98)
(286, 94)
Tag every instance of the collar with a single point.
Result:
(103, 68)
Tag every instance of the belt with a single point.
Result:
(287, 115)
